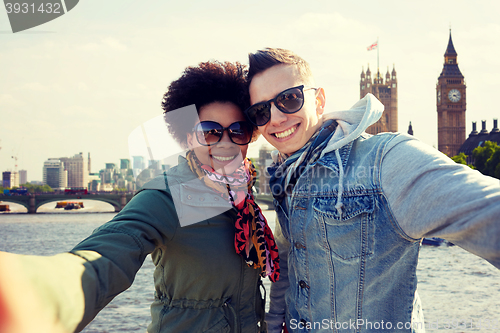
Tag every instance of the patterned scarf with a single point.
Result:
(253, 239)
(286, 171)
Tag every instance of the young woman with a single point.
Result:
(209, 241)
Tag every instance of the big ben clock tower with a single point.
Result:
(451, 103)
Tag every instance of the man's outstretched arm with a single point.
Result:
(432, 196)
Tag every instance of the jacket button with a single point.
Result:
(189, 197)
(303, 284)
(299, 245)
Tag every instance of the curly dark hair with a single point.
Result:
(209, 82)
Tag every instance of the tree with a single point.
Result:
(487, 159)
(45, 188)
(492, 167)
(462, 159)
(37, 188)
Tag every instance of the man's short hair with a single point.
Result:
(269, 57)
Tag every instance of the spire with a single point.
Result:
(450, 50)
(410, 129)
(483, 127)
(474, 129)
(495, 126)
(450, 67)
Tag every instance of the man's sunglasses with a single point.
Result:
(288, 101)
(209, 133)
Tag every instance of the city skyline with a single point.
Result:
(84, 82)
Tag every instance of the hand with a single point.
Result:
(21, 311)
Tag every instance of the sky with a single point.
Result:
(84, 81)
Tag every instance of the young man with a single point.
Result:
(352, 208)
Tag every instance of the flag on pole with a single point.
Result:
(373, 46)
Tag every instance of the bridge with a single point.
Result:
(118, 200)
(33, 201)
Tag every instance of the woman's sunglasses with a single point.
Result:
(209, 133)
(288, 101)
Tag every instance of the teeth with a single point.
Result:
(224, 158)
(286, 133)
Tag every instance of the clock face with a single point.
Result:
(454, 95)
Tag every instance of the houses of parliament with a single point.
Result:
(450, 104)
(387, 93)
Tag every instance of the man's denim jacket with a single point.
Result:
(355, 271)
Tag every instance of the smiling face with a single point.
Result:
(224, 156)
(287, 132)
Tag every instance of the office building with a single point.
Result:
(54, 174)
(124, 164)
(138, 163)
(77, 167)
(23, 177)
(10, 179)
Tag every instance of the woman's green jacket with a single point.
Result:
(201, 284)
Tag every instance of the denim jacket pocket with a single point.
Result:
(348, 235)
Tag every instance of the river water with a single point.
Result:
(459, 291)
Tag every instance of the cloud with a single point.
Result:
(114, 44)
(88, 47)
(36, 86)
(82, 86)
(335, 24)
(105, 45)
(82, 112)
(7, 100)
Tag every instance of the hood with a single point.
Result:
(353, 122)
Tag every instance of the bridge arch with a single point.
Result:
(87, 202)
(7, 199)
